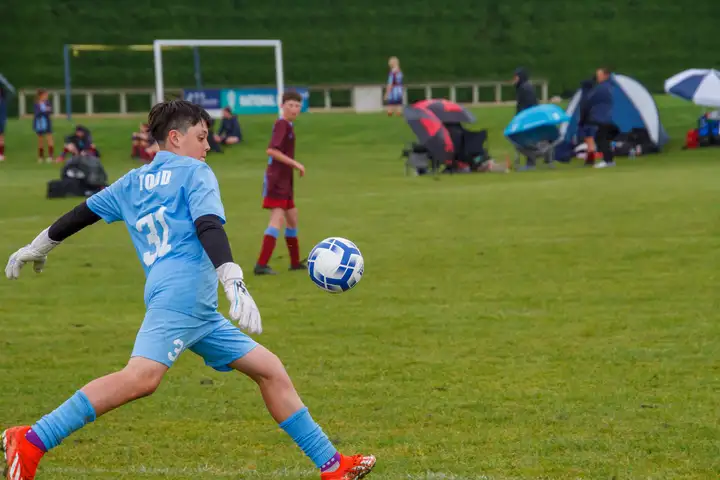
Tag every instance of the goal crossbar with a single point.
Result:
(74, 49)
(275, 44)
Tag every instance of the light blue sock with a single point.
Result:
(309, 437)
(272, 231)
(291, 233)
(72, 415)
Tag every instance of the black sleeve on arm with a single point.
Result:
(72, 222)
(214, 240)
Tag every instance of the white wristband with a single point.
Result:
(43, 243)
(229, 271)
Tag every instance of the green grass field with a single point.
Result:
(553, 324)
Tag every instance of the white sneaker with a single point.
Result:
(600, 164)
(48, 160)
(2, 158)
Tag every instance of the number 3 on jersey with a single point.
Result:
(159, 246)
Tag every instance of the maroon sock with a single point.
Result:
(51, 150)
(294, 249)
(41, 152)
(2, 149)
(268, 246)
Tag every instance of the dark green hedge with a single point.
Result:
(331, 41)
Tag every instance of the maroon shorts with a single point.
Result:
(285, 204)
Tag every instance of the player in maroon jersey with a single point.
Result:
(394, 88)
(278, 187)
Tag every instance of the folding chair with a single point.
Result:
(418, 158)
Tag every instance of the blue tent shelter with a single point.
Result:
(633, 108)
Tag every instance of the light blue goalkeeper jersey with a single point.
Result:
(159, 204)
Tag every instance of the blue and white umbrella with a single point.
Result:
(700, 86)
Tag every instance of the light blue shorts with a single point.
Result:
(165, 334)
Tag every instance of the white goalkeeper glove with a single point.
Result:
(36, 252)
(242, 306)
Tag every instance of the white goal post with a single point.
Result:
(275, 44)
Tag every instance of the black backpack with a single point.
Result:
(81, 176)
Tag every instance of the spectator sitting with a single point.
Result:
(3, 119)
(79, 143)
(144, 147)
(229, 133)
(214, 145)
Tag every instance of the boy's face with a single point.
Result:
(80, 133)
(193, 143)
(291, 109)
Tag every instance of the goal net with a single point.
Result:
(275, 45)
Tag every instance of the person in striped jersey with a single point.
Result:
(394, 89)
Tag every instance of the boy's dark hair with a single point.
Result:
(287, 96)
(175, 115)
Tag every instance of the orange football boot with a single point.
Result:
(21, 456)
(351, 468)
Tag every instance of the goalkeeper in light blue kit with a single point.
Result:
(175, 217)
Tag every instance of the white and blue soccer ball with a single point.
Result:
(336, 265)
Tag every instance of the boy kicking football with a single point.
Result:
(175, 217)
(278, 195)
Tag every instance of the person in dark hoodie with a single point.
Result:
(586, 131)
(525, 97)
(600, 105)
(525, 92)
